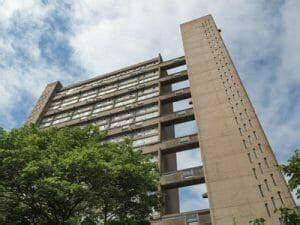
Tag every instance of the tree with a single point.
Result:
(292, 170)
(69, 176)
(258, 221)
(289, 216)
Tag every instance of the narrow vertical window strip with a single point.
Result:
(249, 157)
(260, 148)
(260, 168)
(266, 162)
(273, 202)
(280, 197)
(267, 209)
(260, 190)
(254, 173)
(267, 185)
(273, 179)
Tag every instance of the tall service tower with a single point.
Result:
(147, 101)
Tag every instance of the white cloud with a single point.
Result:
(188, 159)
(191, 198)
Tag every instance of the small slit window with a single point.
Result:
(260, 191)
(267, 209)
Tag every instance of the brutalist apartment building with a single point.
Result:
(137, 101)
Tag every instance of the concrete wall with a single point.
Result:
(40, 107)
(237, 157)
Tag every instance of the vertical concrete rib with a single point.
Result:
(39, 108)
(231, 139)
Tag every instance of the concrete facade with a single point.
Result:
(239, 165)
(138, 102)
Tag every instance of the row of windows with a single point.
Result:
(86, 111)
(124, 119)
(143, 78)
(140, 138)
(88, 95)
(117, 120)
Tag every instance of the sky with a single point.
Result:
(44, 41)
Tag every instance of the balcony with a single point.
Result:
(182, 178)
(199, 217)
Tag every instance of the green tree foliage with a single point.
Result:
(66, 176)
(258, 221)
(289, 216)
(292, 170)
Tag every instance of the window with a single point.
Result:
(72, 90)
(122, 116)
(148, 90)
(61, 120)
(143, 97)
(119, 138)
(267, 208)
(84, 98)
(148, 77)
(260, 190)
(69, 101)
(146, 116)
(121, 123)
(145, 141)
(267, 184)
(101, 109)
(273, 179)
(279, 195)
(176, 69)
(185, 128)
(126, 102)
(100, 122)
(128, 83)
(47, 119)
(61, 115)
(254, 173)
(190, 198)
(107, 91)
(188, 158)
(148, 109)
(182, 104)
(81, 115)
(54, 107)
(55, 103)
(266, 162)
(102, 106)
(180, 85)
(88, 93)
(144, 133)
(45, 124)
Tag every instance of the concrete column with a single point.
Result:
(237, 157)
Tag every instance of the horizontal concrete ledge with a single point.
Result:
(173, 145)
(174, 77)
(199, 217)
(171, 118)
(172, 63)
(182, 178)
